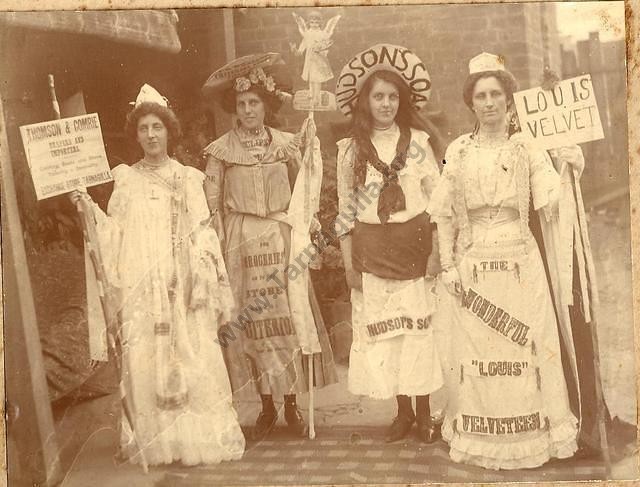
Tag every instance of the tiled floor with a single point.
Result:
(360, 455)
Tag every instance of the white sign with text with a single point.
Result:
(567, 114)
(65, 154)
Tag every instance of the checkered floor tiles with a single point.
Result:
(360, 455)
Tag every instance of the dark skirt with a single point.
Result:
(393, 250)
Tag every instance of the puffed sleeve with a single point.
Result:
(344, 169)
(427, 165)
(441, 201)
(196, 200)
(110, 226)
(119, 201)
(214, 183)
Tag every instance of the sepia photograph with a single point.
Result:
(331, 245)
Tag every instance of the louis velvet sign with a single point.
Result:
(567, 114)
(65, 154)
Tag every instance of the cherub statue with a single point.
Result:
(316, 42)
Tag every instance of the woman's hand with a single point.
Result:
(300, 138)
(354, 279)
(451, 280)
(76, 195)
(570, 155)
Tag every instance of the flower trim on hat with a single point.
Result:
(257, 76)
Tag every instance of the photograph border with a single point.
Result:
(632, 33)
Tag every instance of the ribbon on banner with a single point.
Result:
(305, 201)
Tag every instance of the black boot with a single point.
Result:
(266, 419)
(295, 423)
(428, 428)
(403, 421)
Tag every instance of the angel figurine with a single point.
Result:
(316, 42)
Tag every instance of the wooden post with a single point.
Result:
(224, 35)
(229, 34)
(35, 457)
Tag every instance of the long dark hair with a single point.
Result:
(406, 118)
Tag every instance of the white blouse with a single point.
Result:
(417, 179)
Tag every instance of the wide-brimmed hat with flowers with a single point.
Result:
(382, 57)
(266, 71)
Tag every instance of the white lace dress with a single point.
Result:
(173, 371)
(508, 406)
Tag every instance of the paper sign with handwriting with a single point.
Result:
(566, 115)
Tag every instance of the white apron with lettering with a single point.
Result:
(393, 350)
(510, 409)
(508, 403)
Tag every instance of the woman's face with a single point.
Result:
(489, 101)
(152, 135)
(384, 100)
(250, 110)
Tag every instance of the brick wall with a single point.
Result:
(607, 167)
(551, 45)
(444, 36)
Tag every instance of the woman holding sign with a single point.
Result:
(165, 258)
(386, 173)
(251, 171)
(508, 403)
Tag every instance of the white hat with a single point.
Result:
(486, 62)
(148, 94)
(382, 57)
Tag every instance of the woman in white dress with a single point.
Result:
(386, 173)
(508, 404)
(165, 258)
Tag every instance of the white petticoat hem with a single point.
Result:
(190, 438)
(530, 452)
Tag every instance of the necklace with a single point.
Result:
(259, 131)
(154, 166)
(382, 129)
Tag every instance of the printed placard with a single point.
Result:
(65, 154)
(303, 101)
(567, 114)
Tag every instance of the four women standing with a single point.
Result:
(508, 405)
